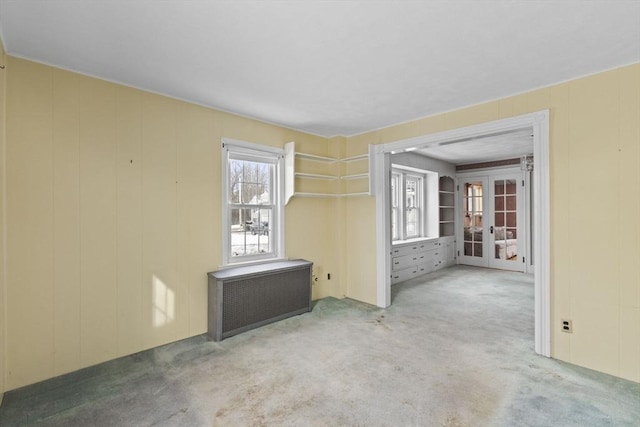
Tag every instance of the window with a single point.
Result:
(407, 204)
(252, 202)
(395, 205)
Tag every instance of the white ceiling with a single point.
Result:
(509, 145)
(327, 67)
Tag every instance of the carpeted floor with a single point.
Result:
(454, 349)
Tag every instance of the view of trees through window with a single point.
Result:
(251, 206)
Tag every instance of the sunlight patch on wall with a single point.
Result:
(163, 307)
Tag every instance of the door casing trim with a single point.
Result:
(539, 123)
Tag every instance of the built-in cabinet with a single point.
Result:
(421, 256)
(447, 206)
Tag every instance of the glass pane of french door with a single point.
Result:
(473, 211)
(505, 219)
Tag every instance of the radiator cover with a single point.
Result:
(244, 298)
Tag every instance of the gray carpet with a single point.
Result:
(454, 349)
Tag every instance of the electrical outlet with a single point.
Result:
(567, 326)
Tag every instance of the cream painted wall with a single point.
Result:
(114, 219)
(595, 232)
(3, 266)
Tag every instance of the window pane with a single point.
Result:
(394, 224)
(411, 193)
(412, 222)
(477, 250)
(250, 231)
(394, 190)
(250, 182)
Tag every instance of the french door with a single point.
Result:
(491, 230)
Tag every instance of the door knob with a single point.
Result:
(491, 229)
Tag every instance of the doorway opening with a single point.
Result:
(538, 126)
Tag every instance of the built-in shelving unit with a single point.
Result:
(447, 206)
(344, 177)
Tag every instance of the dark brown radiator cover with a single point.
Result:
(244, 298)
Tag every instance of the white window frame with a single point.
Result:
(400, 175)
(236, 149)
(396, 205)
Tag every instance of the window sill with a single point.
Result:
(252, 262)
(414, 240)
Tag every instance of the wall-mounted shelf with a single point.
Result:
(314, 176)
(355, 176)
(355, 158)
(299, 183)
(315, 157)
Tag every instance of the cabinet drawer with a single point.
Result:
(402, 275)
(426, 268)
(428, 256)
(404, 250)
(405, 261)
(426, 245)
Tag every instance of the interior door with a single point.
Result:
(491, 228)
(506, 226)
(473, 242)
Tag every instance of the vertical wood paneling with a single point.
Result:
(98, 220)
(629, 240)
(593, 193)
(129, 220)
(629, 184)
(66, 227)
(594, 128)
(472, 115)
(361, 234)
(596, 343)
(513, 106)
(185, 152)
(561, 244)
(29, 195)
(3, 266)
(161, 290)
(198, 187)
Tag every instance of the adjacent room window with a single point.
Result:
(252, 198)
(407, 204)
(395, 205)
